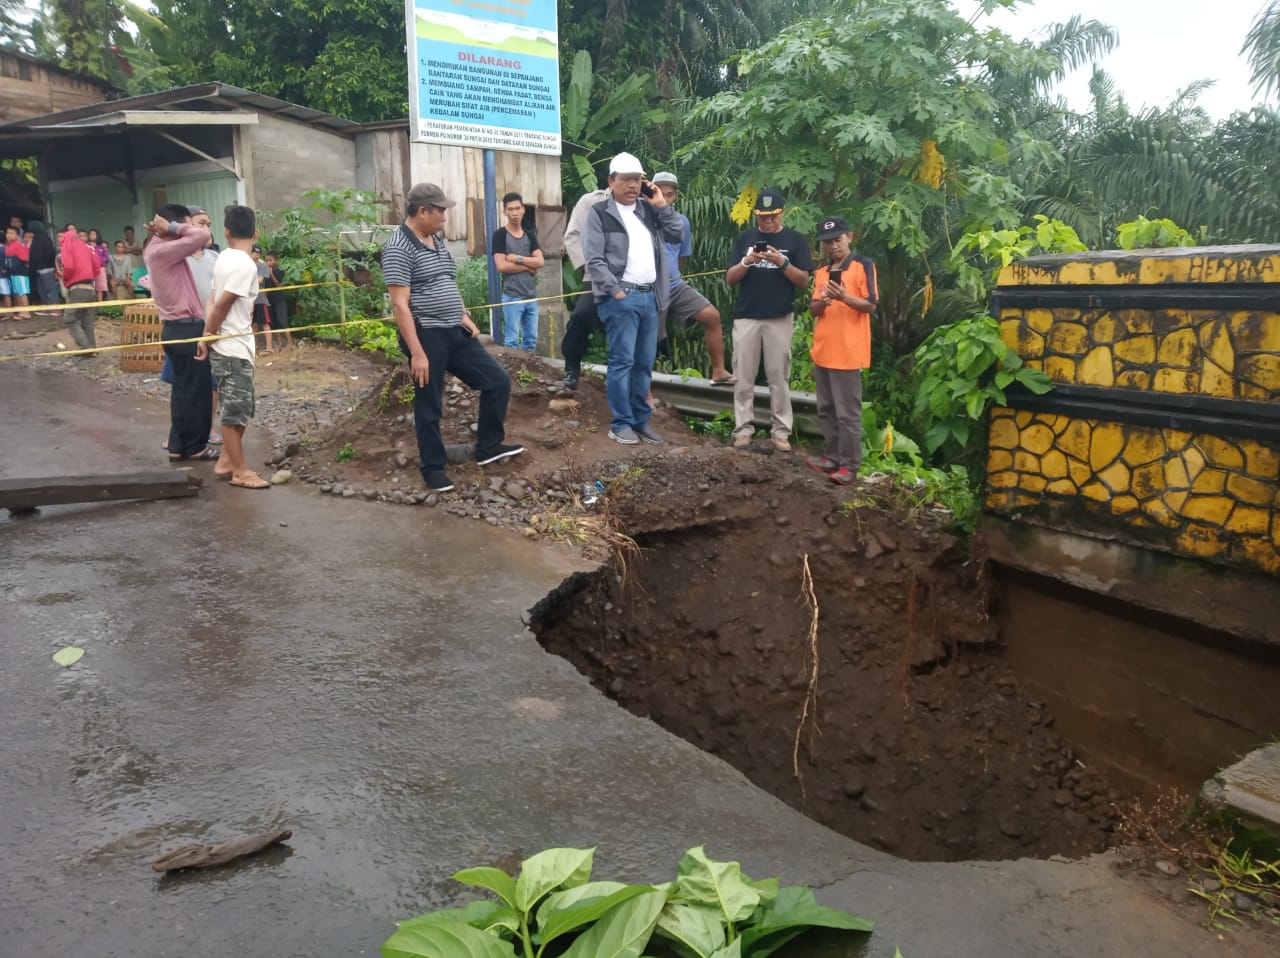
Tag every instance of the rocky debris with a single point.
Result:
(1250, 788)
(281, 477)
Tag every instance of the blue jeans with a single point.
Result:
(519, 324)
(631, 324)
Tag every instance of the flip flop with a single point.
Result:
(250, 484)
(215, 439)
(204, 455)
(725, 381)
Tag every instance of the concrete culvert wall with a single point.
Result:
(923, 743)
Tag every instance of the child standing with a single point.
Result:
(16, 265)
(844, 298)
(230, 313)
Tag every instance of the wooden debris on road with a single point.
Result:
(210, 856)
(24, 495)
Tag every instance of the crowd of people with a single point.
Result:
(632, 246)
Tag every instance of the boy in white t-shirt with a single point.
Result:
(229, 313)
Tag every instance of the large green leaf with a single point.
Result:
(570, 910)
(445, 938)
(793, 912)
(718, 885)
(577, 97)
(624, 98)
(494, 879)
(586, 172)
(731, 950)
(483, 914)
(697, 927)
(623, 931)
(550, 870)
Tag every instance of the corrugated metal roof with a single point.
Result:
(216, 95)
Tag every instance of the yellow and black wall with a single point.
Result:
(1163, 427)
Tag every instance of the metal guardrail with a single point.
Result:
(697, 397)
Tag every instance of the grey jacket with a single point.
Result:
(573, 235)
(605, 242)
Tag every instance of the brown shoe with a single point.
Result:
(741, 441)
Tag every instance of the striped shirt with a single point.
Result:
(430, 274)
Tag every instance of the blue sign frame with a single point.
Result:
(485, 73)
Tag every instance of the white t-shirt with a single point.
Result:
(641, 267)
(235, 272)
(202, 272)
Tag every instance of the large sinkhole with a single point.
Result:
(920, 740)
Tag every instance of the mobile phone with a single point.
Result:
(761, 247)
(646, 189)
(835, 277)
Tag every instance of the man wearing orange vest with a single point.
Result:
(844, 298)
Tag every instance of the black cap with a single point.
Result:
(257, 249)
(769, 201)
(830, 227)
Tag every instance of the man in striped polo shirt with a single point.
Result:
(438, 336)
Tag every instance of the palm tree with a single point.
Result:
(1262, 47)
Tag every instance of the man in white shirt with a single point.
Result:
(230, 315)
(622, 243)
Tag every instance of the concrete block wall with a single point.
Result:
(286, 159)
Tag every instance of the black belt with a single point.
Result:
(637, 287)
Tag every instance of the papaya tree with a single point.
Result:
(882, 111)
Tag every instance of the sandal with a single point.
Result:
(725, 381)
(257, 482)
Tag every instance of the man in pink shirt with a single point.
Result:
(79, 266)
(173, 239)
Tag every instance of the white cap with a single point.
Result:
(665, 177)
(625, 163)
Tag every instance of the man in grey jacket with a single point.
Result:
(622, 243)
(585, 319)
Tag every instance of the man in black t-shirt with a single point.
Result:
(769, 264)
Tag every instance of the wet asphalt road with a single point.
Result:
(359, 673)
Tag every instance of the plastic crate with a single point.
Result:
(141, 328)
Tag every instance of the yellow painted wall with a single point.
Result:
(1194, 494)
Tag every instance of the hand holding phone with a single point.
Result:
(835, 277)
(646, 189)
(760, 248)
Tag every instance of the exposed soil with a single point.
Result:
(922, 743)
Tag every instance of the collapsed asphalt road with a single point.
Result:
(359, 673)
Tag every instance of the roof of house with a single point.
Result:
(213, 97)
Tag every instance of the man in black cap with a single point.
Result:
(438, 336)
(769, 264)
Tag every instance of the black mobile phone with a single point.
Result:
(761, 247)
(835, 277)
(647, 190)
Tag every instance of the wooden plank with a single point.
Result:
(24, 494)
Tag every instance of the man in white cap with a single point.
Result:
(623, 246)
(687, 305)
(438, 336)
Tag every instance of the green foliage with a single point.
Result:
(722, 424)
(917, 486)
(1143, 233)
(960, 370)
(473, 283)
(711, 910)
(344, 57)
(334, 237)
(524, 377)
(879, 113)
(994, 249)
(346, 453)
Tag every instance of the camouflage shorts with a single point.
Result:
(235, 388)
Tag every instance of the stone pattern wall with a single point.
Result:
(1214, 497)
(1193, 494)
(1183, 352)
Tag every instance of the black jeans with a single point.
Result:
(453, 350)
(191, 401)
(584, 321)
